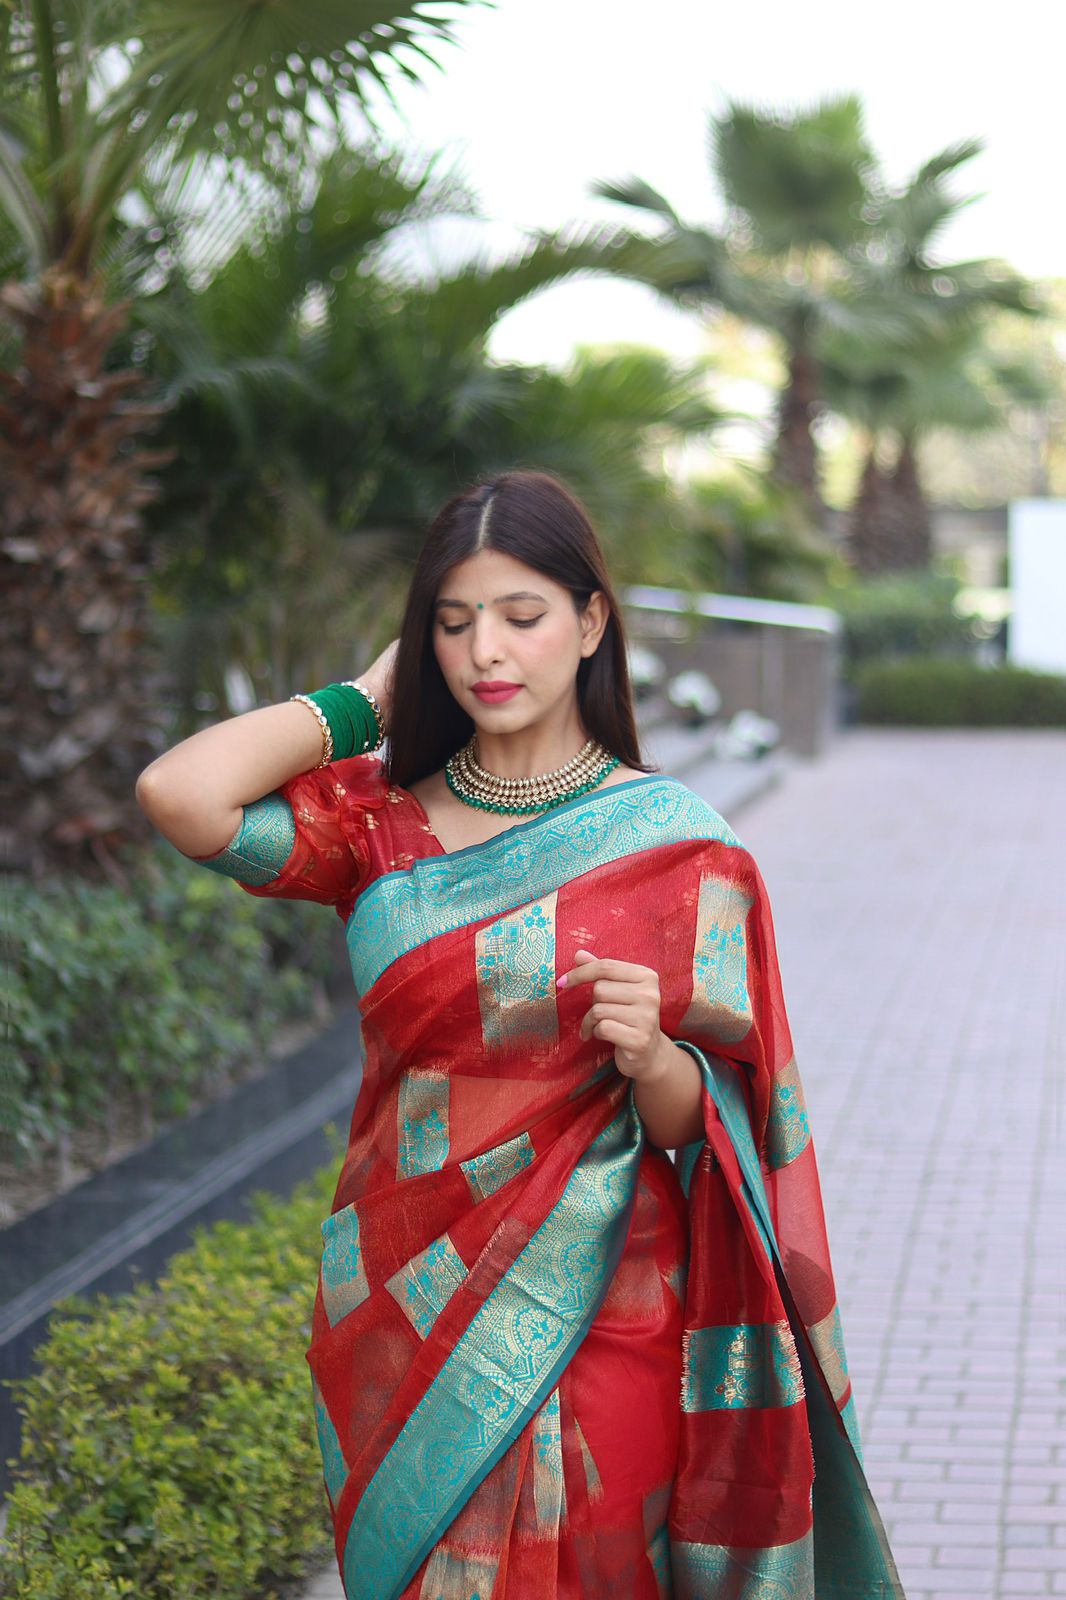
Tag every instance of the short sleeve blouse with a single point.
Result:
(308, 840)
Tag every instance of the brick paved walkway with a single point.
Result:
(919, 890)
(919, 896)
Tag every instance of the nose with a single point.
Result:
(485, 641)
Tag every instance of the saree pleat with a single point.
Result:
(544, 1359)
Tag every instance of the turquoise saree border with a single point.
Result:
(852, 1559)
(402, 910)
(500, 1371)
(714, 1571)
(260, 846)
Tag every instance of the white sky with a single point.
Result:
(542, 97)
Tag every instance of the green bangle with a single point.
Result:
(365, 697)
(352, 723)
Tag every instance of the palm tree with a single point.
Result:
(797, 189)
(93, 99)
(940, 376)
(947, 382)
(323, 403)
(611, 423)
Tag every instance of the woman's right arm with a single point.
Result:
(194, 794)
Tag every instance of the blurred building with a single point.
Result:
(1038, 584)
(977, 537)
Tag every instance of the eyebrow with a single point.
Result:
(519, 594)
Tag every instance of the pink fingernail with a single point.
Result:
(560, 983)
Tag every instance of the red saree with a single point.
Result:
(544, 1360)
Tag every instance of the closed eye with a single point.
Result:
(518, 622)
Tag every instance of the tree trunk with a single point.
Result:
(910, 511)
(867, 541)
(76, 668)
(795, 459)
(889, 527)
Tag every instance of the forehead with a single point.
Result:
(490, 575)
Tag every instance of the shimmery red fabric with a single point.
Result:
(634, 1463)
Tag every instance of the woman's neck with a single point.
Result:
(529, 751)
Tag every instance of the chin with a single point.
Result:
(490, 717)
(507, 718)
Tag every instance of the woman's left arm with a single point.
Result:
(669, 1098)
(668, 1088)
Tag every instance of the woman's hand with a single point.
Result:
(378, 678)
(667, 1087)
(624, 1011)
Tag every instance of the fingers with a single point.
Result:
(612, 1030)
(591, 969)
(621, 991)
(626, 1000)
(638, 1024)
(603, 1013)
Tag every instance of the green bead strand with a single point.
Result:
(529, 810)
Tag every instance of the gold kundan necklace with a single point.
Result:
(474, 786)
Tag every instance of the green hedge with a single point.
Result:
(902, 615)
(934, 693)
(157, 990)
(169, 1448)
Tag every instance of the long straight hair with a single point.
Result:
(533, 517)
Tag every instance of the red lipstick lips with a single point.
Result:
(495, 693)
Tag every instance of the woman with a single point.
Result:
(544, 1360)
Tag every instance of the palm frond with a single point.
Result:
(198, 369)
(118, 89)
(695, 268)
(639, 195)
(947, 161)
(797, 179)
(20, 205)
(244, 67)
(461, 308)
(909, 220)
(949, 380)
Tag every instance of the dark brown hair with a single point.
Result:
(533, 517)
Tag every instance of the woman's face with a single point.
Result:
(497, 621)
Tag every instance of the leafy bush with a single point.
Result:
(747, 535)
(902, 615)
(936, 693)
(159, 990)
(168, 1437)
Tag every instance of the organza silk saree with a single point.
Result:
(546, 1360)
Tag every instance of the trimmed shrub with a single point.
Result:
(903, 615)
(169, 1443)
(934, 693)
(160, 990)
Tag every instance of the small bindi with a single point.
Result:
(481, 605)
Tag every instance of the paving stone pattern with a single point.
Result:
(918, 884)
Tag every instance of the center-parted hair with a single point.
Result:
(533, 517)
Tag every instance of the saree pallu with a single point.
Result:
(546, 1360)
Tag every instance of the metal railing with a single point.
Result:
(786, 668)
(734, 608)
